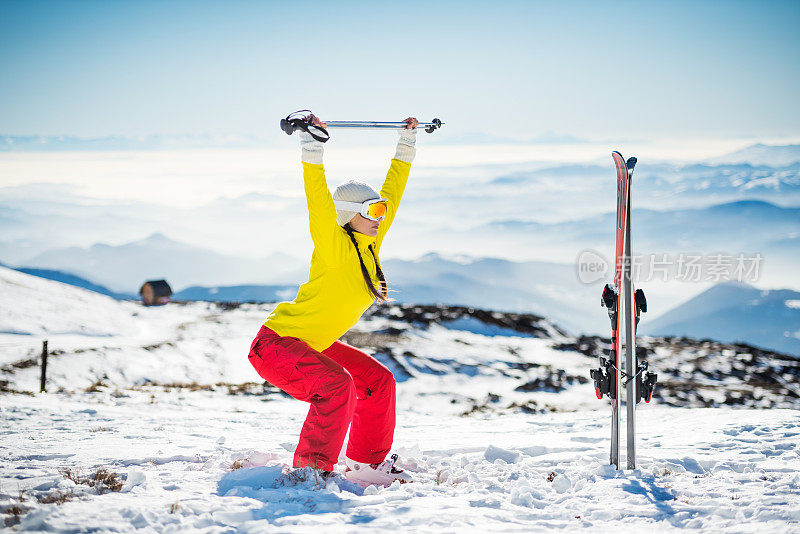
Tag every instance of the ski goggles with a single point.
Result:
(374, 210)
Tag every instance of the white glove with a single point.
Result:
(312, 149)
(405, 145)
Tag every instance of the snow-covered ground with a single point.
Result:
(496, 420)
(710, 469)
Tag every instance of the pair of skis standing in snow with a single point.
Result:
(639, 382)
(298, 348)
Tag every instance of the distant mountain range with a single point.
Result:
(666, 185)
(35, 143)
(746, 227)
(734, 312)
(522, 211)
(125, 267)
(737, 227)
(548, 289)
(761, 154)
(245, 293)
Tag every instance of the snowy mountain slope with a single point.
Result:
(73, 280)
(33, 306)
(735, 312)
(497, 421)
(466, 360)
(96, 338)
(484, 360)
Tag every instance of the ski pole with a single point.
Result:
(301, 120)
(428, 126)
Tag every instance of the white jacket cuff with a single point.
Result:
(312, 149)
(405, 145)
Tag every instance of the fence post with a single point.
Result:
(44, 367)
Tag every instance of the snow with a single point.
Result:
(166, 400)
(493, 454)
(711, 469)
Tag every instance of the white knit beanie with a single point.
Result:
(352, 191)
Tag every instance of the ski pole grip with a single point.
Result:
(287, 127)
(302, 120)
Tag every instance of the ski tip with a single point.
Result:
(620, 160)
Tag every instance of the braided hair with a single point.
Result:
(383, 295)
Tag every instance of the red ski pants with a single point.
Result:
(345, 387)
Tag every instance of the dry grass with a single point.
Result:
(174, 507)
(101, 480)
(244, 388)
(104, 479)
(296, 477)
(57, 497)
(552, 476)
(97, 386)
(14, 512)
(247, 388)
(238, 464)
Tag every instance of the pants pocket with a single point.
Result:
(275, 360)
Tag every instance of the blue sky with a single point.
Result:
(593, 70)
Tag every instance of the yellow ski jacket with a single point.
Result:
(336, 295)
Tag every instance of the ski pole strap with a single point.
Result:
(301, 120)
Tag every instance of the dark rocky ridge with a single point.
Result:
(692, 372)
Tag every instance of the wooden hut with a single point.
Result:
(155, 292)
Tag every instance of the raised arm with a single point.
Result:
(395, 184)
(321, 210)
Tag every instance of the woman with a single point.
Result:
(297, 348)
